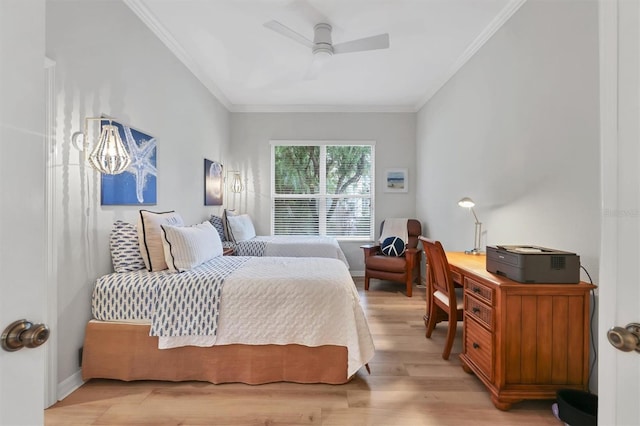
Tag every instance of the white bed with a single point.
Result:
(262, 301)
(291, 246)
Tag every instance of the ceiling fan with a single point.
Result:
(322, 44)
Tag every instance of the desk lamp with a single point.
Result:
(468, 203)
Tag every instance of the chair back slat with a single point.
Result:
(439, 272)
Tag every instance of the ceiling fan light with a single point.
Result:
(322, 52)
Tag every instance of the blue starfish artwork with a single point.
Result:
(137, 184)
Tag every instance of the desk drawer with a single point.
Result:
(479, 290)
(457, 277)
(479, 347)
(480, 311)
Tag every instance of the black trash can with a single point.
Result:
(577, 408)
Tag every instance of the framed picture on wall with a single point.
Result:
(396, 180)
(213, 183)
(137, 184)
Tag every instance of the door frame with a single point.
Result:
(608, 376)
(51, 286)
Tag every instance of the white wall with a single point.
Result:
(393, 133)
(108, 62)
(516, 129)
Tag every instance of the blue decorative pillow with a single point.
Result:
(393, 246)
(125, 250)
(217, 223)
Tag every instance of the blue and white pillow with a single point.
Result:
(125, 250)
(393, 246)
(217, 223)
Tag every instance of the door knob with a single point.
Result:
(625, 339)
(23, 333)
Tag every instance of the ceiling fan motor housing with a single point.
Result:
(322, 44)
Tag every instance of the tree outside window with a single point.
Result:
(323, 189)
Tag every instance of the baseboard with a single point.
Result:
(357, 273)
(70, 384)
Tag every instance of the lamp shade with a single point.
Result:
(466, 202)
(109, 155)
(236, 183)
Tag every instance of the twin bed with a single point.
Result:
(291, 246)
(231, 319)
(238, 232)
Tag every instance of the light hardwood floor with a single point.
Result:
(410, 384)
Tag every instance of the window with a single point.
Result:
(322, 189)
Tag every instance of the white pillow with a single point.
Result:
(150, 237)
(225, 223)
(241, 227)
(186, 247)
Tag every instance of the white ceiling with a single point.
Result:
(251, 68)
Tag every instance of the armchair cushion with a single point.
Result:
(387, 263)
(393, 246)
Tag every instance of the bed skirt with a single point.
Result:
(125, 351)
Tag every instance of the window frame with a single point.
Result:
(322, 195)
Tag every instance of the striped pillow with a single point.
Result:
(150, 237)
(125, 251)
(186, 247)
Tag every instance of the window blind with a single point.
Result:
(323, 189)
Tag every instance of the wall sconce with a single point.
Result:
(468, 203)
(108, 155)
(236, 185)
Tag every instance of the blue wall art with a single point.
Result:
(137, 184)
(396, 180)
(213, 183)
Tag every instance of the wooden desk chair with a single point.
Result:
(442, 294)
(404, 269)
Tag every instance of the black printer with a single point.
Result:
(532, 264)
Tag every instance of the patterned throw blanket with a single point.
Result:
(188, 303)
(250, 248)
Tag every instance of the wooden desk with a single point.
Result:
(523, 341)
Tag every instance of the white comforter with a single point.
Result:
(292, 246)
(274, 300)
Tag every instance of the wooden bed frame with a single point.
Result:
(125, 351)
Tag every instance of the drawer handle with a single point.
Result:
(476, 290)
(476, 346)
(475, 310)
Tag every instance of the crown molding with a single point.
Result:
(138, 7)
(323, 108)
(473, 48)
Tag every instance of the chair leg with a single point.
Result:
(433, 314)
(366, 281)
(409, 284)
(451, 334)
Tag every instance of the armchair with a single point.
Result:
(404, 269)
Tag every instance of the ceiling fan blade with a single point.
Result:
(288, 32)
(380, 41)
